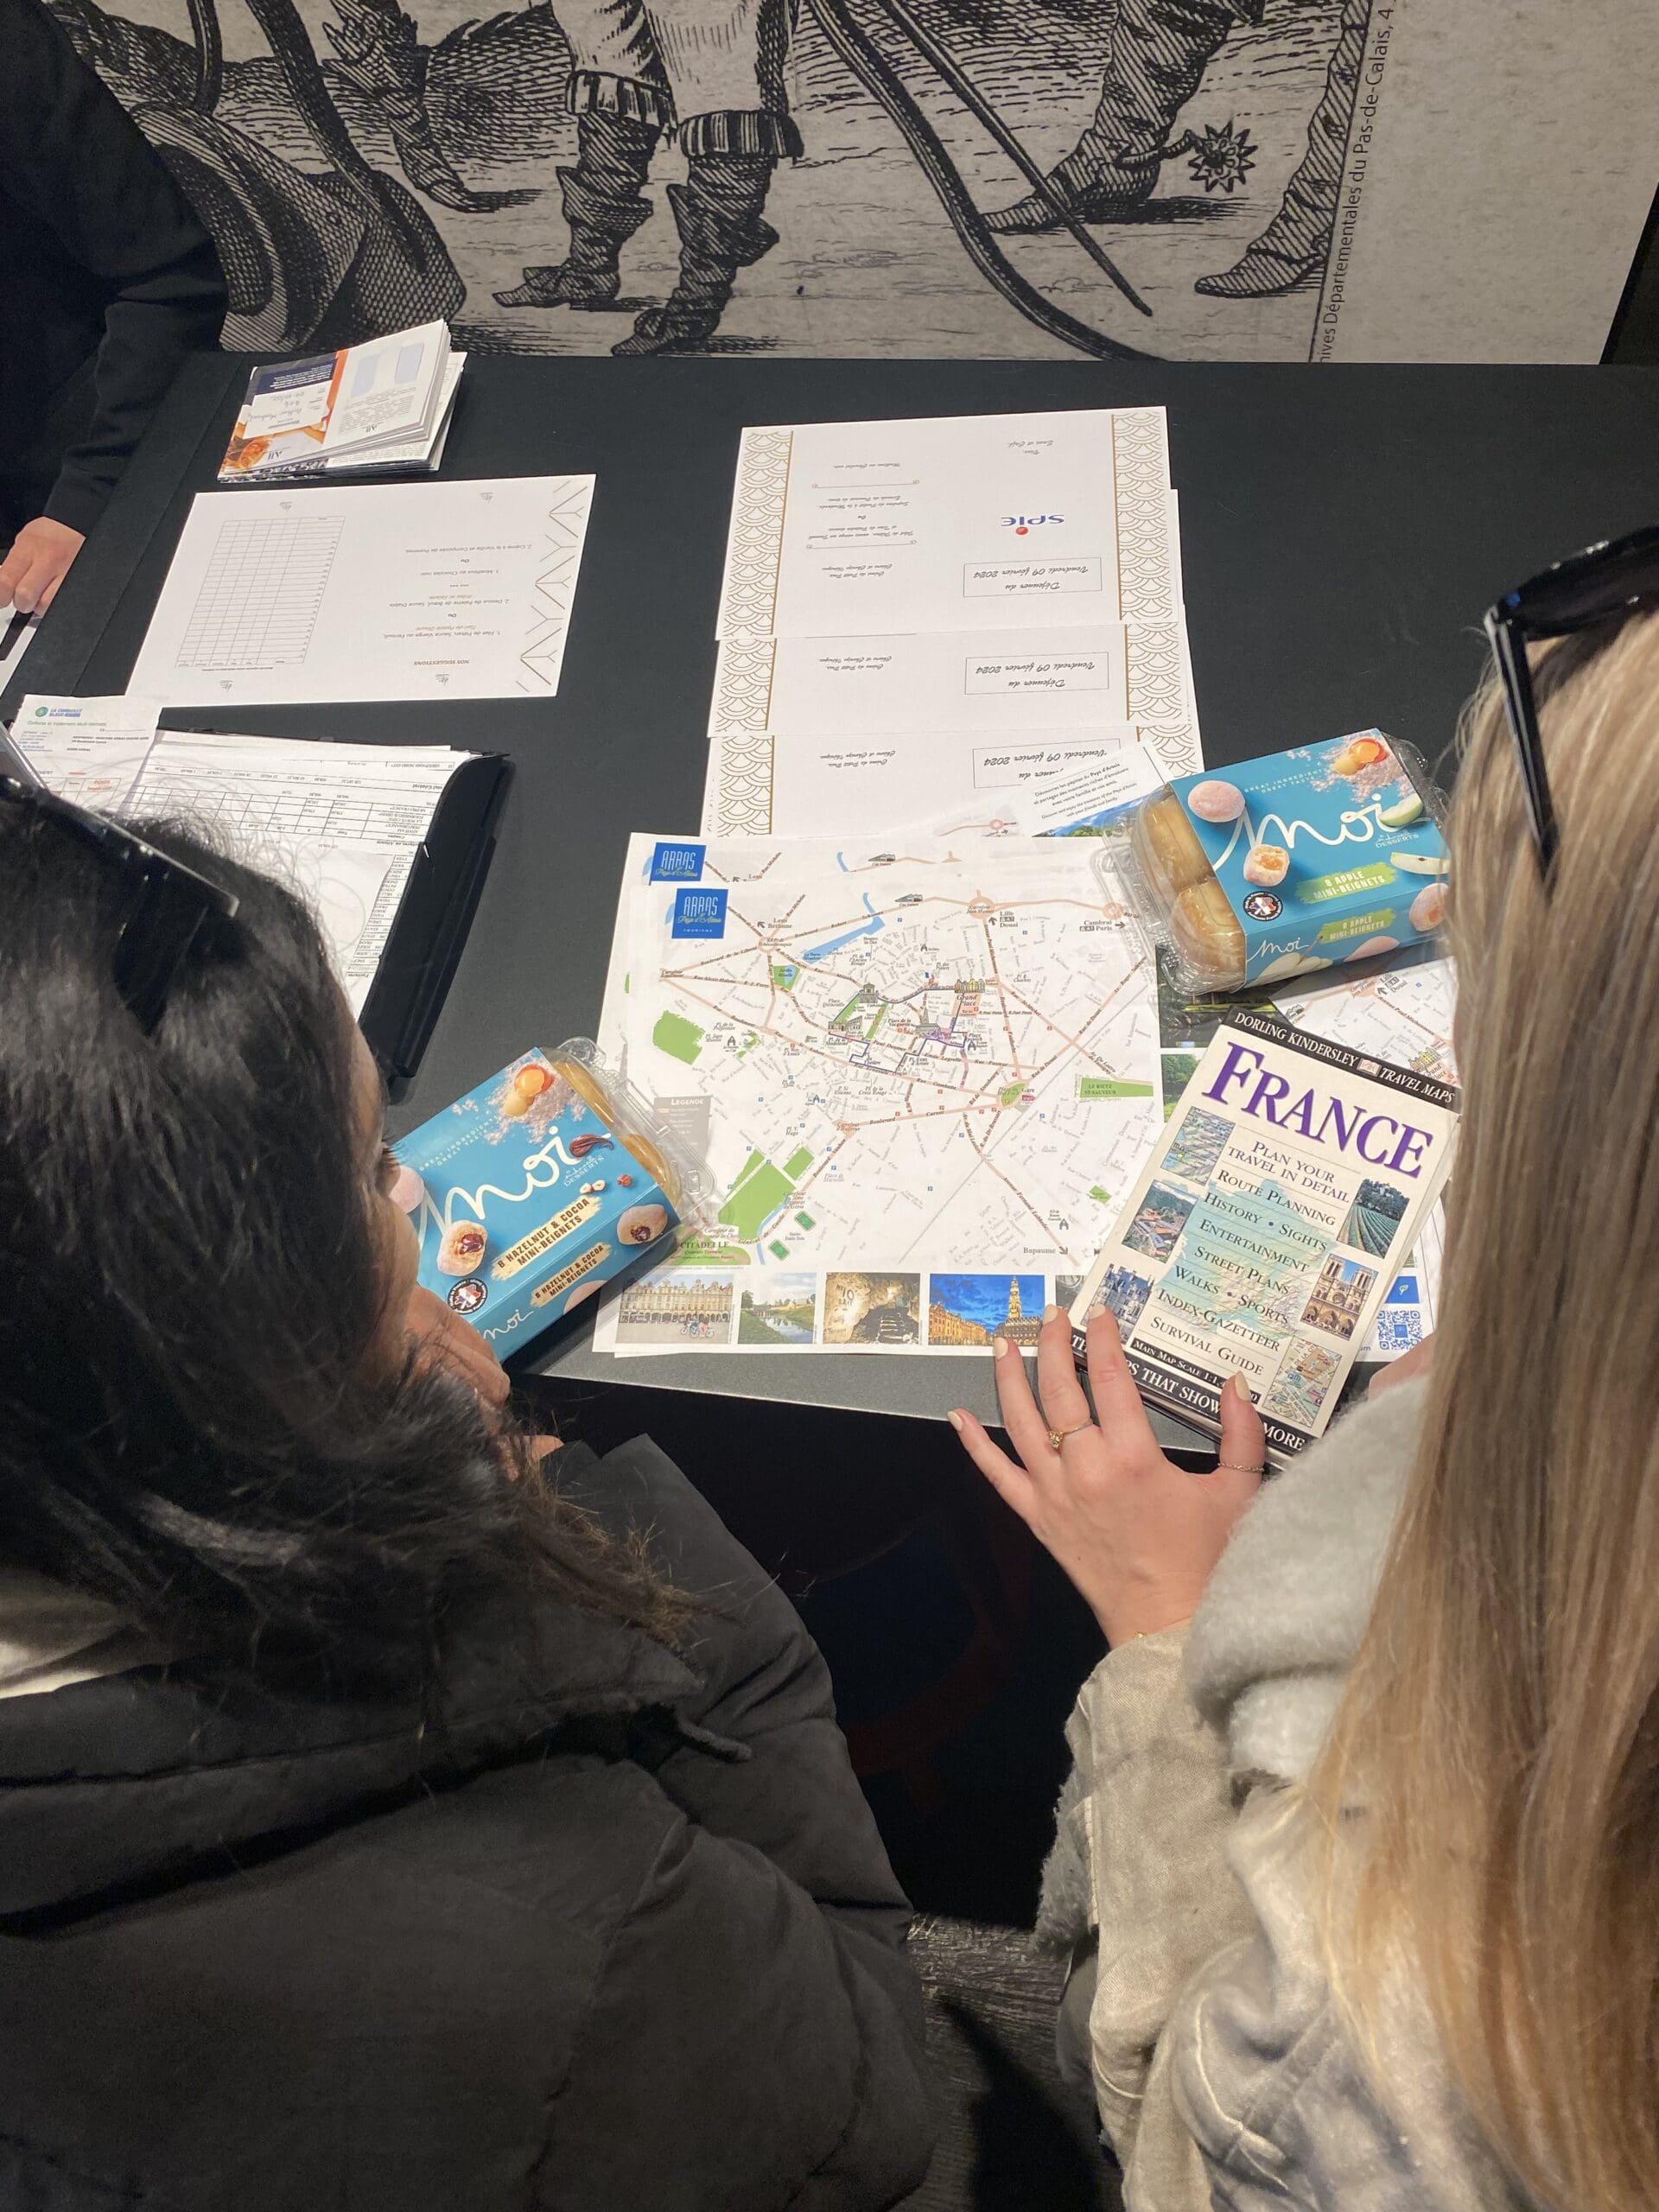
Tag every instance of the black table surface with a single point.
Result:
(1343, 530)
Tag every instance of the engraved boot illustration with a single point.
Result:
(377, 49)
(717, 213)
(603, 206)
(1291, 252)
(1158, 53)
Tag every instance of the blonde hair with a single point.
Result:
(1500, 1728)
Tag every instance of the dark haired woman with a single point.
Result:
(379, 1824)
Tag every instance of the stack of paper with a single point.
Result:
(341, 823)
(916, 614)
(918, 1048)
(383, 406)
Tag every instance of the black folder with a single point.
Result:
(434, 915)
(424, 943)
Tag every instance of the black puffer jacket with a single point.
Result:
(625, 1939)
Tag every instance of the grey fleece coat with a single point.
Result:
(1222, 2068)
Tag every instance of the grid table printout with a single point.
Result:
(258, 603)
(340, 823)
(439, 590)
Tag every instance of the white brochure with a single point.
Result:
(837, 787)
(382, 591)
(972, 522)
(1082, 798)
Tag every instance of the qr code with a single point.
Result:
(1397, 1333)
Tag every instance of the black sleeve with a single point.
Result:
(793, 1798)
(766, 1686)
(79, 165)
(738, 2049)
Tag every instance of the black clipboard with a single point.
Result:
(424, 944)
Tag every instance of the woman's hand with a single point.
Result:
(442, 1338)
(1137, 1535)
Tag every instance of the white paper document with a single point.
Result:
(1081, 797)
(381, 591)
(903, 1067)
(823, 786)
(1000, 681)
(965, 522)
(340, 824)
(1084, 794)
(89, 750)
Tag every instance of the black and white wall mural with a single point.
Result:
(1272, 179)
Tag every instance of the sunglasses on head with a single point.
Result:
(1603, 582)
(171, 904)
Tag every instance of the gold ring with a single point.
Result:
(1236, 1468)
(1057, 1436)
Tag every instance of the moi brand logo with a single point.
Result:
(1022, 525)
(677, 864)
(699, 913)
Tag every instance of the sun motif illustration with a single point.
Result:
(1221, 159)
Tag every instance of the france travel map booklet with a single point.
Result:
(1267, 1225)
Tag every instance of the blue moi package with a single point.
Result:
(527, 1197)
(1278, 867)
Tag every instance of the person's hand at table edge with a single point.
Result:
(39, 559)
(1137, 1535)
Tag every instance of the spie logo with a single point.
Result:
(1022, 525)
